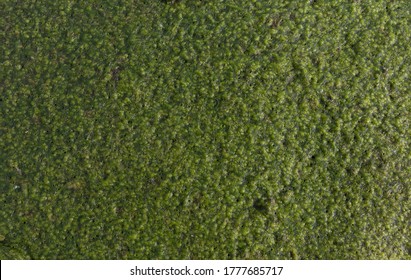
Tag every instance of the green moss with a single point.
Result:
(205, 130)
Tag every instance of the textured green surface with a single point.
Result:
(205, 129)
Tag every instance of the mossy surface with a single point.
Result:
(135, 129)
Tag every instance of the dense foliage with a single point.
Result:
(191, 129)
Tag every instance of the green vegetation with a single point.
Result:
(190, 129)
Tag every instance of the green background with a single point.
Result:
(205, 129)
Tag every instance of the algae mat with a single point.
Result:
(205, 129)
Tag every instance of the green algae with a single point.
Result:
(205, 130)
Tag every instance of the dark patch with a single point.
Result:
(261, 205)
(115, 74)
